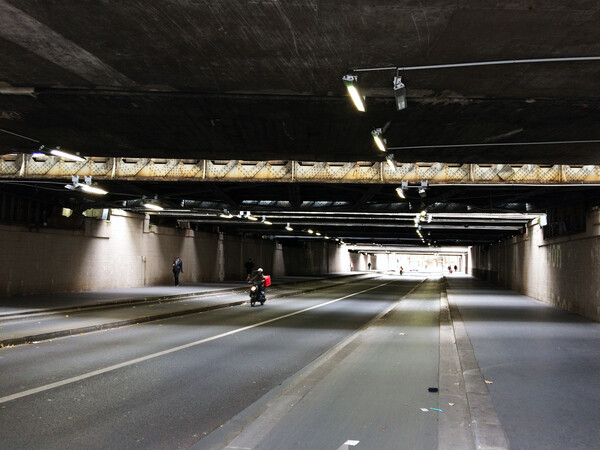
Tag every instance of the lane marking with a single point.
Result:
(349, 443)
(94, 373)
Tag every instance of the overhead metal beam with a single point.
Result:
(26, 166)
(366, 197)
(222, 195)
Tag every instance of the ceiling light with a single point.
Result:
(351, 85)
(65, 155)
(92, 189)
(265, 221)
(226, 215)
(309, 231)
(379, 141)
(400, 93)
(389, 159)
(400, 192)
(85, 187)
(288, 227)
(318, 234)
(251, 217)
(153, 206)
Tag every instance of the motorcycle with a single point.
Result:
(257, 294)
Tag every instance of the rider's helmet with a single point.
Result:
(259, 269)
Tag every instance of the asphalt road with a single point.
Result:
(170, 383)
(375, 395)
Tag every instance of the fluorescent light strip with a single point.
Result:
(92, 189)
(153, 206)
(66, 155)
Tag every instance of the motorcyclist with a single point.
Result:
(258, 279)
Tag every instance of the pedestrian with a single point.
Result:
(177, 269)
(249, 265)
(369, 265)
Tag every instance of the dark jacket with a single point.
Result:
(258, 278)
(177, 266)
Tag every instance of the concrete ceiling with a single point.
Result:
(261, 80)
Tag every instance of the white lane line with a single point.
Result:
(84, 376)
(349, 443)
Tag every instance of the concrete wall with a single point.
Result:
(561, 271)
(126, 251)
(314, 257)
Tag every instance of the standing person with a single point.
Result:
(369, 265)
(177, 268)
(249, 265)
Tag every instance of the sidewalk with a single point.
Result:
(48, 316)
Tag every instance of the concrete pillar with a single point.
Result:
(220, 259)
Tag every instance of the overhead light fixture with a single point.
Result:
(399, 93)
(226, 215)
(389, 159)
(265, 221)
(153, 206)
(86, 186)
(379, 141)
(351, 82)
(93, 189)
(318, 233)
(400, 88)
(309, 231)
(251, 217)
(401, 191)
(58, 152)
(423, 189)
(288, 227)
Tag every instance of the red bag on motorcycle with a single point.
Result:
(267, 280)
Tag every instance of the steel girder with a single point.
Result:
(26, 166)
